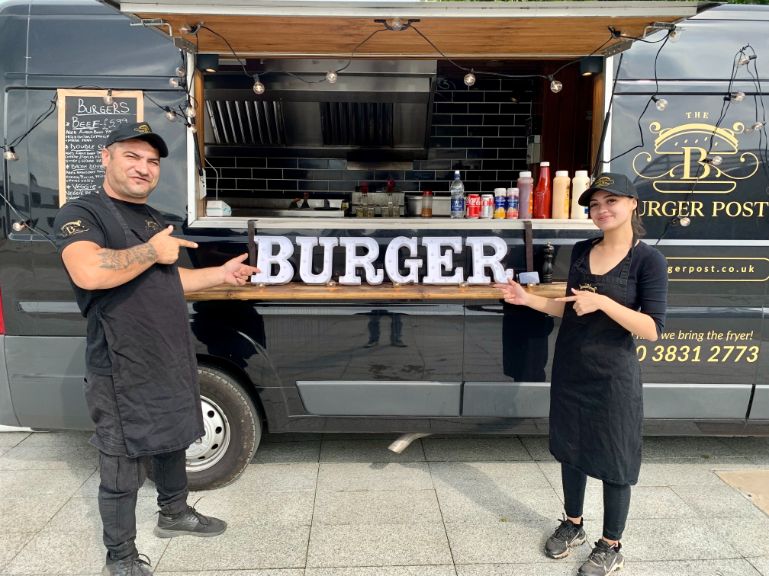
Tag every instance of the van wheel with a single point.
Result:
(232, 431)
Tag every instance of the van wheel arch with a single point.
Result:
(233, 430)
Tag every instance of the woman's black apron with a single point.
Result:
(596, 396)
(155, 399)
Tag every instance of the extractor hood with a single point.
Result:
(376, 110)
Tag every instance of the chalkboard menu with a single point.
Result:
(85, 120)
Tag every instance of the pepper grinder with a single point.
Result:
(547, 265)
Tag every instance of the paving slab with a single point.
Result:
(486, 449)
(538, 448)
(718, 501)
(241, 547)
(761, 564)
(359, 450)
(662, 447)
(447, 570)
(11, 439)
(753, 484)
(374, 476)
(74, 438)
(547, 567)
(489, 507)
(748, 536)
(488, 476)
(11, 544)
(501, 542)
(377, 507)
(32, 482)
(382, 545)
(645, 502)
(292, 508)
(754, 449)
(276, 572)
(733, 567)
(22, 457)
(288, 452)
(29, 513)
(675, 539)
(275, 478)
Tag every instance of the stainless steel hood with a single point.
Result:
(376, 110)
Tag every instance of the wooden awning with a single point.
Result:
(468, 30)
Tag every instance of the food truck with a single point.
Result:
(313, 134)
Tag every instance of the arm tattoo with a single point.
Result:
(122, 259)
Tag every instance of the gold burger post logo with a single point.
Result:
(603, 181)
(682, 152)
(143, 129)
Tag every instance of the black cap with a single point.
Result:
(138, 131)
(618, 184)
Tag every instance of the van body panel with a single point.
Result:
(380, 398)
(7, 415)
(46, 375)
(760, 407)
(506, 399)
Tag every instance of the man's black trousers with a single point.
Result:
(121, 478)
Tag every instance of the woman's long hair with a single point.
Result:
(638, 228)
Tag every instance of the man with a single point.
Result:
(141, 374)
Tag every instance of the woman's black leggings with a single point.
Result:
(616, 501)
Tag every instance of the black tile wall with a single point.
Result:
(480, 131)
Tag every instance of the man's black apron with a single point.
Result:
(155, 404)
(596, 397)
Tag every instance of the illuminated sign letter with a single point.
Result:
(306, 246)
(482, 261)
(437, 262)
(353, 261)
(266, 259)
(412, 264)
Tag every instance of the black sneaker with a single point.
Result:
(567, 535)
(603, 560)
(188, 523)
(128, 567)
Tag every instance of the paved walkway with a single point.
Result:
(322, 505)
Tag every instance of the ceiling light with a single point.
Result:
(590, 65)
(258, 86)
(331, 76)
(207, 62)
(469, 78)
(556, 86)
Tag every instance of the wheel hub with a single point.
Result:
(211, 447)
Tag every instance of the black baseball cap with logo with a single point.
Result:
(138, 131)
(618, 184)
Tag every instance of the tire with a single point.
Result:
(232, 433)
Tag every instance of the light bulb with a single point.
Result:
(469, 79)
(684, 221)
(744, 61)
(170, 115)
(180, 72)
(396, 24)
(556, 86)
(738, 96)
(660, 103)
(716, 160)
(674, 35)
(186, 29)
(175, 82)
(192, 127)
(757, 126)
(189, 111)
(331, 77)
(107, 98)
(258, 86)
(10, 155)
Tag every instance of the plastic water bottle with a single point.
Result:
(457, 190)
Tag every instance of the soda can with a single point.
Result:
(487, 205)
(473, 206)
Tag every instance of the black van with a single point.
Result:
(687, 124)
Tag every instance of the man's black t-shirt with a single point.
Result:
(89, 219)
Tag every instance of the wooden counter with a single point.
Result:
(385, 291)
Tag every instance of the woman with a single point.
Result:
(617, 288)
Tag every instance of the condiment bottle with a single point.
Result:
(525, 184)
(427, 204)
(513, 198)
(543, 194)
(500, 203)
(561, 194)
(579, 184)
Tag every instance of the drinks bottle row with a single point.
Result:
(556, 198)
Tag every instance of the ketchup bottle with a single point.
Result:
(543, 193)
